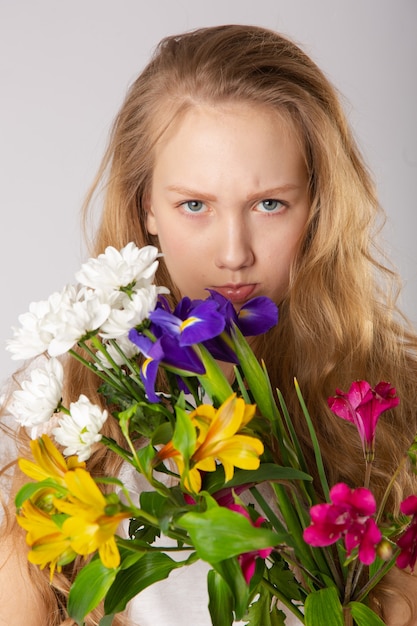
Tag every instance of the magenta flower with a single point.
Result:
(247, 560)
(362, 405)
(348, 515)
(408, 541)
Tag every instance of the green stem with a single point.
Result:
(292, 522)
(348, 585)
(282, 598)
(363, 592)
(131, 365)
(123, 382)
(388, 489)
(368, 470)
(105, 374)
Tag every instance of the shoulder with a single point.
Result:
(20, 603)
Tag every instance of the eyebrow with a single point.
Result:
(262, 193)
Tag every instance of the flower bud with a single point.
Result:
(384, 550)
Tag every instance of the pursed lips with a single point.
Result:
(236, 292)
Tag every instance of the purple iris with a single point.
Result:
(175, 335)
(208, 322)
(255, 317)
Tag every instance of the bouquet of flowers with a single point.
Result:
(206, 448)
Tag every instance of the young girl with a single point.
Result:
(232, 155)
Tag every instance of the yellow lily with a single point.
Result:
(219, 438)
(49, 545)
(49, 462)
(88, 526)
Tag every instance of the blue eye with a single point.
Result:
(193, 206)
(270, 206)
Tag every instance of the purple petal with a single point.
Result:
(319, 536)
(143, 343)
(340, 494)
(408, 544)
(220, 350)
(204, 323)
(257, 316)
(148, 373)
(358, 392)
(370, 539)
(342, 408)
(247, 563)
(167, 321)
(180, 357)
(409, 505)
(224, 306)
(363, 500)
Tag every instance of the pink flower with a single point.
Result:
(348, 515)
(247, 560)
(362, 405)
(408, 541)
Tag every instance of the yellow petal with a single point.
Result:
(82, 534)
(193, 481)
(109, 553)
(33, 470)
(48, 456)
(49, 462)
(82, 486)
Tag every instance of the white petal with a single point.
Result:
(133, 312)
(80, 430)
(75, 319)
(116, 269)
(39, 397)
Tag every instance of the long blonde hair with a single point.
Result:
(338, 321)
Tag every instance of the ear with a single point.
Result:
(151, 226)
(150, 219)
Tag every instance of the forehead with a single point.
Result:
(174, 121)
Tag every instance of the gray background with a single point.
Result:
(66, 64)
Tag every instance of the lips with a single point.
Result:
(236, 293)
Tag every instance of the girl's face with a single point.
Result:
(229, 201)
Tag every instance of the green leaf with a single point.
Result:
(231, 572)
(214, 382)
(221, 600)
(89, 588)
(185, 437)
(256, 377)
(151, 568)
(29, 489)
(213, 481)
(314, 441)
(107, 620)
(145, 457)
(283, 579)
(363, 615)
(220, 533)
(264, 612)
(323, 607)
(267, 471)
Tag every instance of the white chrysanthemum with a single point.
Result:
(30, 339)
(80, 430)
(75, 319)
(116, 269)
(134, 310)
(37, 329)
(39, 397)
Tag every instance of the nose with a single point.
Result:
(234, 245)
